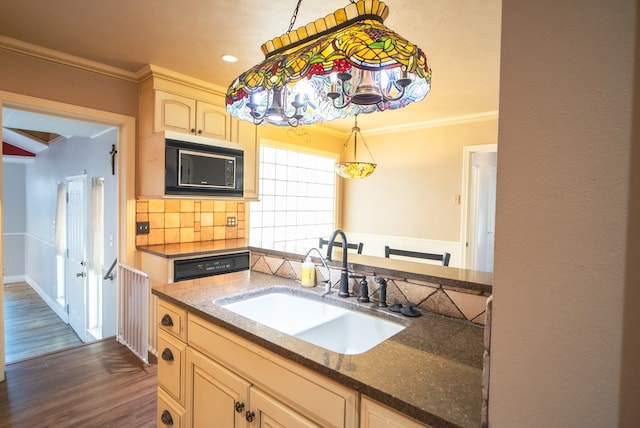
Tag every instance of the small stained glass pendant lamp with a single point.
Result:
(356, 169)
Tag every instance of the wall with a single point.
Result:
(13, 220)
(390, 203)
(566, 265)
(27, 75)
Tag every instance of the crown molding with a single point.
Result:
(164, 74)
(18, 46)
(435, 123)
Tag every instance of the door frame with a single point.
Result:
(467, 153)
(125, 159)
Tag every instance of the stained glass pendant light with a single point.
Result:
(356, 169)
(344, 64)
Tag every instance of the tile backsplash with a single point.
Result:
(173, 221)
(440, 298)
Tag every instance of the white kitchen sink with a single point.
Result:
(334, 328)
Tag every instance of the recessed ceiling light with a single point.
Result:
(229, 58)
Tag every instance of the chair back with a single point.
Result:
(358, 247)
(444, 258)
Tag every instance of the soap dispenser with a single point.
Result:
(308, 273)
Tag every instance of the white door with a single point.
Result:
(479, 204)
(76, 277)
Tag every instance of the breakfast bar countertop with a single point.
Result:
(431, 370)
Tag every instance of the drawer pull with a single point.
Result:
(167, 355)
(250, 416)
(167, 321)
(239, 407)
(166, 418)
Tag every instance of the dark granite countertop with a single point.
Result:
(192, 249)
(431, 371)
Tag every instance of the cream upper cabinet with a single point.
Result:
(182, 114)
(173, 102)
(376, 415)
(246, 134)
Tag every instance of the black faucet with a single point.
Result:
(344, 273)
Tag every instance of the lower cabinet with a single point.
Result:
(218, 379)
(217, 394)
(269, 412)
(214, 394)
(254, 386)
(376, 415)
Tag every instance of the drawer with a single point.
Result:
(169, 413)
(171, 366)
(377, 415)
(324, 401)
(172, 319)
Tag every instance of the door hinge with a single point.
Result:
(67, 308)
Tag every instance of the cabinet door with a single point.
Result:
(246, 134)
(215, 396)
(270, 413)
(376, 415)
(174, 113)
(212, 121)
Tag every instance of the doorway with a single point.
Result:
(119, 129)
(478, 206)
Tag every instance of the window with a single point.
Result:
(297, 200)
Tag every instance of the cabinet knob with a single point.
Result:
(250, 416)
(167, 355)
(166, 418)
(167, 321)
(239, 407)
(193, 130)
(199, 131)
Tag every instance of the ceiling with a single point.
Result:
(461, 39)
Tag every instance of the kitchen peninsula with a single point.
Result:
(431, 371)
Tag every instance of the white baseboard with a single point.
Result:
(59, 310)
(14, 278)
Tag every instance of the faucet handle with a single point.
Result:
(382, 292)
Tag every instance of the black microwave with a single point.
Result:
(203, 170)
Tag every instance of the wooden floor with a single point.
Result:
(96, 385)
(31, 326)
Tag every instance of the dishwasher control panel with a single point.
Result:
(200, 267)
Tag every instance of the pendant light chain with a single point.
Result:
(294, 17)
(355, 130)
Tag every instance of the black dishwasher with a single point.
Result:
(200, 267)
